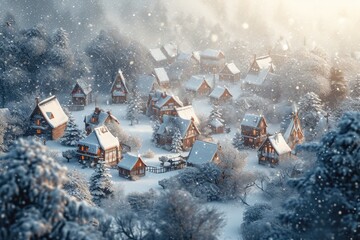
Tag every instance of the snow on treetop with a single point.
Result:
(202, 152)
(157, 54)
(53, 112)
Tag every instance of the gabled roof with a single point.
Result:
(202, 152)
(157, 54)
(102, 116)
(233, 69)
(161, 75)
(293, 126)
(279, 144)
(252, 120)
(53, 112)
(195, 82)
(219, 91)
(216, 123)
(161, 98)
(84, 86)
(128, 161)
(196, 55)
(145, 84)
(171, 49)
(102, 138)
(119, 79)
(170, 123)
(260, 77)
(187, 112)
(264, 62)
(211, 53)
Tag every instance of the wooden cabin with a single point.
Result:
(170, 50)
(294, 134)
(189, 131)
(273, 150)
(157, 57)
(48, 119)
(212, 61)
(230, 73)
(188, 113)
(203, 152)
(161, 103)
(253, 130)
(261, 70)
(100, 145)
(220, 95)
(145, 84)
(216, 126)
(119, 90)
(198, 86)
(162, 77)
(98, 118)
(81, 93)
(131, 166)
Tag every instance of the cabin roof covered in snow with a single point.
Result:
(292, 126)
(161, 98)
(202, 152)
(196, 55)
(170, 123)
(157, 54)
(84, 86)
(195, 82)
(260, 77)
(102, 138)
(101, 116)
(53, 112)
(119, 76)
(279, 144)
(187, 112)
(128, 161)
(216, 123)
(252, 120)
(144, 84)
(232, 68)
(264, 62)
(161, 75)
(171, 49)
(211, 53)
(218, 92)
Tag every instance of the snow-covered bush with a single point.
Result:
(148, 154)
(77, 187)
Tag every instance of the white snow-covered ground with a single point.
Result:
(233, 211)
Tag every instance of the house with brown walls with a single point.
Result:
(119, 90)
(273, 150)
(203, 152)
(81, 93)
(198, 86)
(212, 61)
(131, 167)
(230, 73)
(98, 118)
(220, 95)
(161, 103)
(253, 130)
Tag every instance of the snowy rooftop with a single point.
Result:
(171, 49)
(144, 84)
(102, 116)
(84, 86)
(232, 68)
(53, 112)
(157, 54)
(102, 138)
(251, 120)
(170, 123)
(128, 161)
(196, 55)
(292, 127)
(259, 78)
(216, 123)
(279, 144)
(264, 62)
(202, 152)
(218, 92)
(211, 53)
(195, 82)
(161, 74)
(120, 79)
(187, 112)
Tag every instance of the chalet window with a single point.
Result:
(251, 140)
(93, 119)
(82, 157)
(38, 131)
(140, 164)
(37, 122)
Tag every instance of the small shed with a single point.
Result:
(131, 166)
(230, 72)
(273, 150)
(203, 152)
(216, 126)
(220, 95)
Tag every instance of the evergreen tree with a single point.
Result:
(155, 127)
(327, 206)
(238, 141)
(339, 86)
(100, 183)
(355, 90)
(216, 114)
(72, 133)
(134, 109)
(176, 144)
(33, 204)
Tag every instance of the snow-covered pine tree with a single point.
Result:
(339, 86)
(134, 109)
(176, 144)
(100, 183)
(33, 204)
(72, 133)
(311, 112)
(238, 141)
(155, 128)
(327, 206)
(216, 114)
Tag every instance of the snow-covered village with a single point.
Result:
(164, 119)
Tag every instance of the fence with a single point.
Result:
(76, 107)
(165, 169)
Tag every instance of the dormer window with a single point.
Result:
(93, 119)
(50, 115)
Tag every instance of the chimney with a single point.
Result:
(97, 110)
(108, 112)
(163, 94)
(254, 57)
(37, 100)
